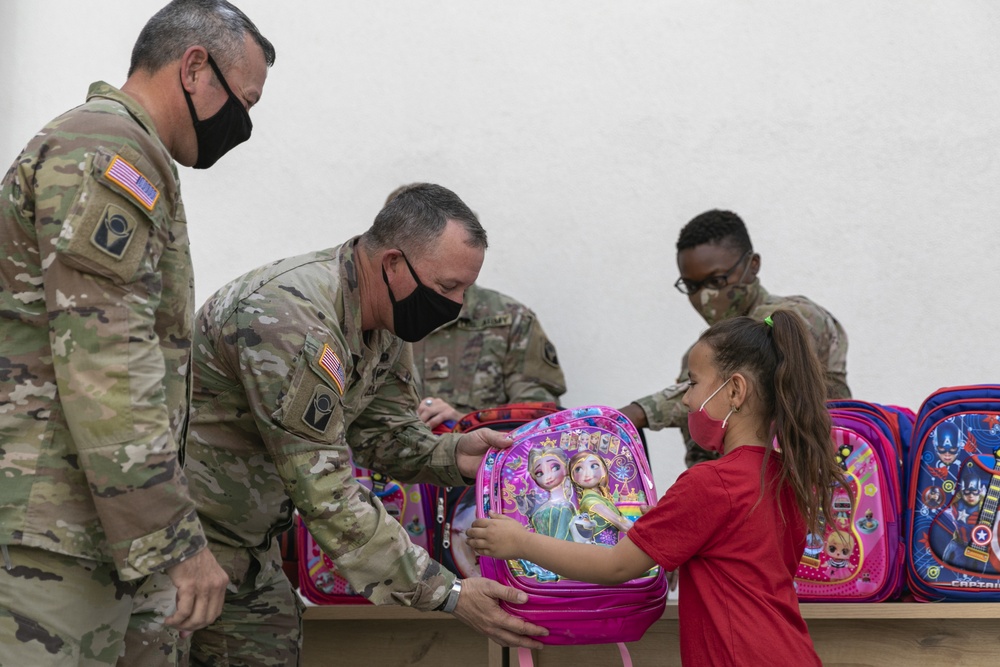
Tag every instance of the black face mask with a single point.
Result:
(229, 127)
(420, 313)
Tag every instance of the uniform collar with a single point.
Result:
(350, 294)
(100, 89)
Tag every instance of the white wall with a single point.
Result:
(857, 139)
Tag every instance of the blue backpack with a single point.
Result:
(952, 496)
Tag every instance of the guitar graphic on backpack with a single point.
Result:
(982, 534)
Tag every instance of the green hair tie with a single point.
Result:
(769, 322)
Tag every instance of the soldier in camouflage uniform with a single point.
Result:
(718, 270)
(96, 318)
(495, 353)
(299, 366)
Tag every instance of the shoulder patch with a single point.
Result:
(132, 181)
(114, 231)
(330, 362)
(319, 409)
(549, 354)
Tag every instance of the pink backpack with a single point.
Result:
(574, 612)
(857, 554)
(319, 581)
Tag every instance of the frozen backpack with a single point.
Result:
(952, 496)
(452, 509)
(613, 481)
(856, 555)
(319, 581)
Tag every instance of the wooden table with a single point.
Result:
(887, 634)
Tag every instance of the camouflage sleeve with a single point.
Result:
(295, 391)
(100, 290)
(389, 437)
(531, 368)
(665, 409)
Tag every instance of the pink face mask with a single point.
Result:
(709, 433)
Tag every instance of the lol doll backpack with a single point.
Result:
(953, 494)
(452, 509)
(319, 581)
(577, 475)
(856, 555)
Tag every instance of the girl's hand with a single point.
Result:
(497, 537)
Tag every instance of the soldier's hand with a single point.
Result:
(478, 608)
(436, 411)
(201, 591)
(635, 414)
(473, 446)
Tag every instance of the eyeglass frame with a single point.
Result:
(683, 285)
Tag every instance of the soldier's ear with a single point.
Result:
(754, 266)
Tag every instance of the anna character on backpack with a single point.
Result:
(589, 473)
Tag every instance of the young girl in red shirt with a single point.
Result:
(733, 528)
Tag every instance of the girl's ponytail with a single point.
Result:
(790, 386)
(801, 419)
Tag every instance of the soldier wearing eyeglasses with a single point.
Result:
(718, 268)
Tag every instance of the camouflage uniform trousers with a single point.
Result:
(260, 625)
(149, 641)
(60, 610)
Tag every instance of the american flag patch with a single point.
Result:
(130, 178)
(329, 362)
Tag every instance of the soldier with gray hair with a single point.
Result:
(301, 367)
(96, 312)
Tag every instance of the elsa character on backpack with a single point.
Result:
(553, 517)
(734, 528)
(589, 473)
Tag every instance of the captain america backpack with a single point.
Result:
(856, 554)
(600, 480)
(319, 581)
(953, 494)
(451, 509)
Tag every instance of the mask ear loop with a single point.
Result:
(731, 411)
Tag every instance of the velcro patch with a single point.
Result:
(113, 232)
(133, 182)
(319, 409)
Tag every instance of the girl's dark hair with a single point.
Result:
(780, 361)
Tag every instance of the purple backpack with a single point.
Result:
(602, 447)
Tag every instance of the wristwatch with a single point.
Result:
(451, 601)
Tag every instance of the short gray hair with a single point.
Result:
(215, 24)
(415, 215)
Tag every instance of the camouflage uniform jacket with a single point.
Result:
(287, 388)
(494, 353)
(96, 307)
(664, 409)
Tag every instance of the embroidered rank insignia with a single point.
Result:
(330, 362)
(320, 409)
(439, 369)
(133, 182)
(113, 232)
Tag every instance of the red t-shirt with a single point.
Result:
(736, 566)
